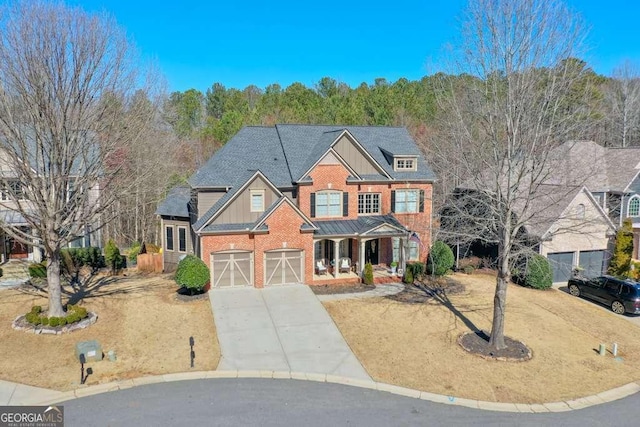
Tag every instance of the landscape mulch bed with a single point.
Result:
(341, 289)
(478, 343)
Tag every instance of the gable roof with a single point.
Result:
(284, 153)
(283, 199)
(247, 178)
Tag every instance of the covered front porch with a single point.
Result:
(342, 248)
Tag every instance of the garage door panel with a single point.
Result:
(231, 269)
(592, 263)
(561, 264)
(284, 267)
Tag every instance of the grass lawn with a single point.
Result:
(415, 345)
(138, 317)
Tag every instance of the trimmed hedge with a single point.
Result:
(74, 314)
(368, 274)
(192, 273)
(440, 259)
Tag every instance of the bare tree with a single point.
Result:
(67, 79)
(623, 100)
(503, 115)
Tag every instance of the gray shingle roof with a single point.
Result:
(176, 203)
(285, 152)
(231, 227)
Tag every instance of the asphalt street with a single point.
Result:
(269, 402)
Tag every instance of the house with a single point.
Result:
(302, 204)
(15, 205)
(586, 194)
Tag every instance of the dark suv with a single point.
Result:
(621, 295)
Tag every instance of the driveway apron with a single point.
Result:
(282, 328)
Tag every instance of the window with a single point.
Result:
(405, 164)
(406, 201)
(369, 203)
(257, 200)
(182, 239)
(12, 190)
(634, 206)
(412, 250)
(169, 237)
(580, 211)
(328, 203)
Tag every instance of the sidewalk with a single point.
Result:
(20, 394)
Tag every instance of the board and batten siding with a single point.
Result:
(239, 211)
(206, 199)
(171, 258)
(354, 157)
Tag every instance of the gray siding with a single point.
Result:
(354, 157)
(239, 211)
(206, 199)
(171, 258)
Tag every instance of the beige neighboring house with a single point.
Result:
(13, 201)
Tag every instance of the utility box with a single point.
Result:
(92, 350)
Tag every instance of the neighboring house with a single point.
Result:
(302, 204)
(589, 191)
(14, 192)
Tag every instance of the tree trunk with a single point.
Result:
(496, 340)
(55, 289)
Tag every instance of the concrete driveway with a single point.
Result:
(282, 329)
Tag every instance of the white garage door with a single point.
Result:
(561, 264)
(283, 267)
(231, 269)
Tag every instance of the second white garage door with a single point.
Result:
(283, 267)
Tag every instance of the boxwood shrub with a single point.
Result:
(440, 259)
(192, 274)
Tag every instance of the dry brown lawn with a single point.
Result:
(138, 317)
(415, 345)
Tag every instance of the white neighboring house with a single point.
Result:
(13, 199)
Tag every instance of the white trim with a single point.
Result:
(406, 190)
(328, 192)
(364, 193)
(634, 197)
(186, 242)
(257, 192)
(413, 159)
(237, 194)
(173, 238)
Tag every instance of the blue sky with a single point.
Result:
(196, 43)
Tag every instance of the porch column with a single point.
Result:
(336, 257)
(403, 259)
(361, 256)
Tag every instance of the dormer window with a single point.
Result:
(404, 163)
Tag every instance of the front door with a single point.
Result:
(371, 251)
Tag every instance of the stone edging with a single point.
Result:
(562, 406)
(84, 323)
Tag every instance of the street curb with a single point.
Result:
(562, 406)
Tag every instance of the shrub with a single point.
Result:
(538, 273)
(408, 276)
(368, 274)
(416, 268)
(634, 273)
(134, 251)
(192, 273)
(151, 248)
(468, 269)
(36, 309)
(44, 320)
(112, 255)
(32, 318)
(440, 259)
(621, 260)
(38, 270)
(472, 261)
(54, 321)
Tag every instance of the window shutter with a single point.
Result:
(313, 205)
(345, 204)
(421, 200)
(393, 200)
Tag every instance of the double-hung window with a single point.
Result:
(328, 203)
(169, 237)
(182, 239)
(406, 201)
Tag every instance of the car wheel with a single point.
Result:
(574, 290)
(617, 307)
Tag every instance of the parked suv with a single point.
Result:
(621, 295)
